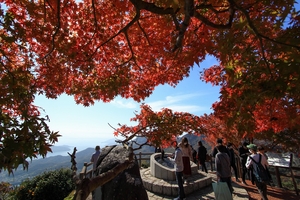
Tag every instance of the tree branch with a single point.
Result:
(206, 21)
(188, 12)
(56, 29)
(252, 26)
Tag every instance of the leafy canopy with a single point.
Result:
(97, 50)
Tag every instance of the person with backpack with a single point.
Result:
(259, 164)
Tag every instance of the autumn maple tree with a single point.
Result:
(161, 128)
(97, 50)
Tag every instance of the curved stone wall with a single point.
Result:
(170, 188)
(162, 172)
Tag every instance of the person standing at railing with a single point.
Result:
(95, 156)
(94, 159)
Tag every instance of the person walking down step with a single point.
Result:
(244, 153)
(232, 160)
(261, 177)
(223, 168)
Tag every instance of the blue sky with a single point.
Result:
(88, 126)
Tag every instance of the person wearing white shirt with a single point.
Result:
(95, 156)
(178, 165)
(261, 186)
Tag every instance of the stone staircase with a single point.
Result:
(170, 188)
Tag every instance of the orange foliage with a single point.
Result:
(97, 50)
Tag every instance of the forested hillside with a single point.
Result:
(39, 166)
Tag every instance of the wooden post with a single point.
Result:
(238, 166)
(278, 177)
(292, 174)
(211, 163)
(140, 159)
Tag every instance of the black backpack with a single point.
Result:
(261, 174)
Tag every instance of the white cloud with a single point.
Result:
(180, 103)
(124, 103)
(171, 100)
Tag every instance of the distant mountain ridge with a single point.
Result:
(193, 141)
(51, 163)
(54, 162)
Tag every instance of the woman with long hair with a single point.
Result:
(187, 156)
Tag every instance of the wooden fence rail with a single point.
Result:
(86, 172)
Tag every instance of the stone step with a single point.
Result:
(170, 188)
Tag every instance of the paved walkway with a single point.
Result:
(206, 193)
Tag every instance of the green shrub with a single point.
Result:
(145, 163)
(5, 190)
(47, 186)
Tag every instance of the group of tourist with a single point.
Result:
(184, 153)
(250, 156)
(224, 156)
(225, 161)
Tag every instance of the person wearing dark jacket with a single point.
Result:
(232, 160)
(215, 150)
(244, 153)
(223, 168)
(202, 156)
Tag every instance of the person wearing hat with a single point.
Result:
(261, 186)
(244, 153)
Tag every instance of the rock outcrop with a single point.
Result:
(126, 185)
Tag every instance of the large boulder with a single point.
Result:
(126, 185)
